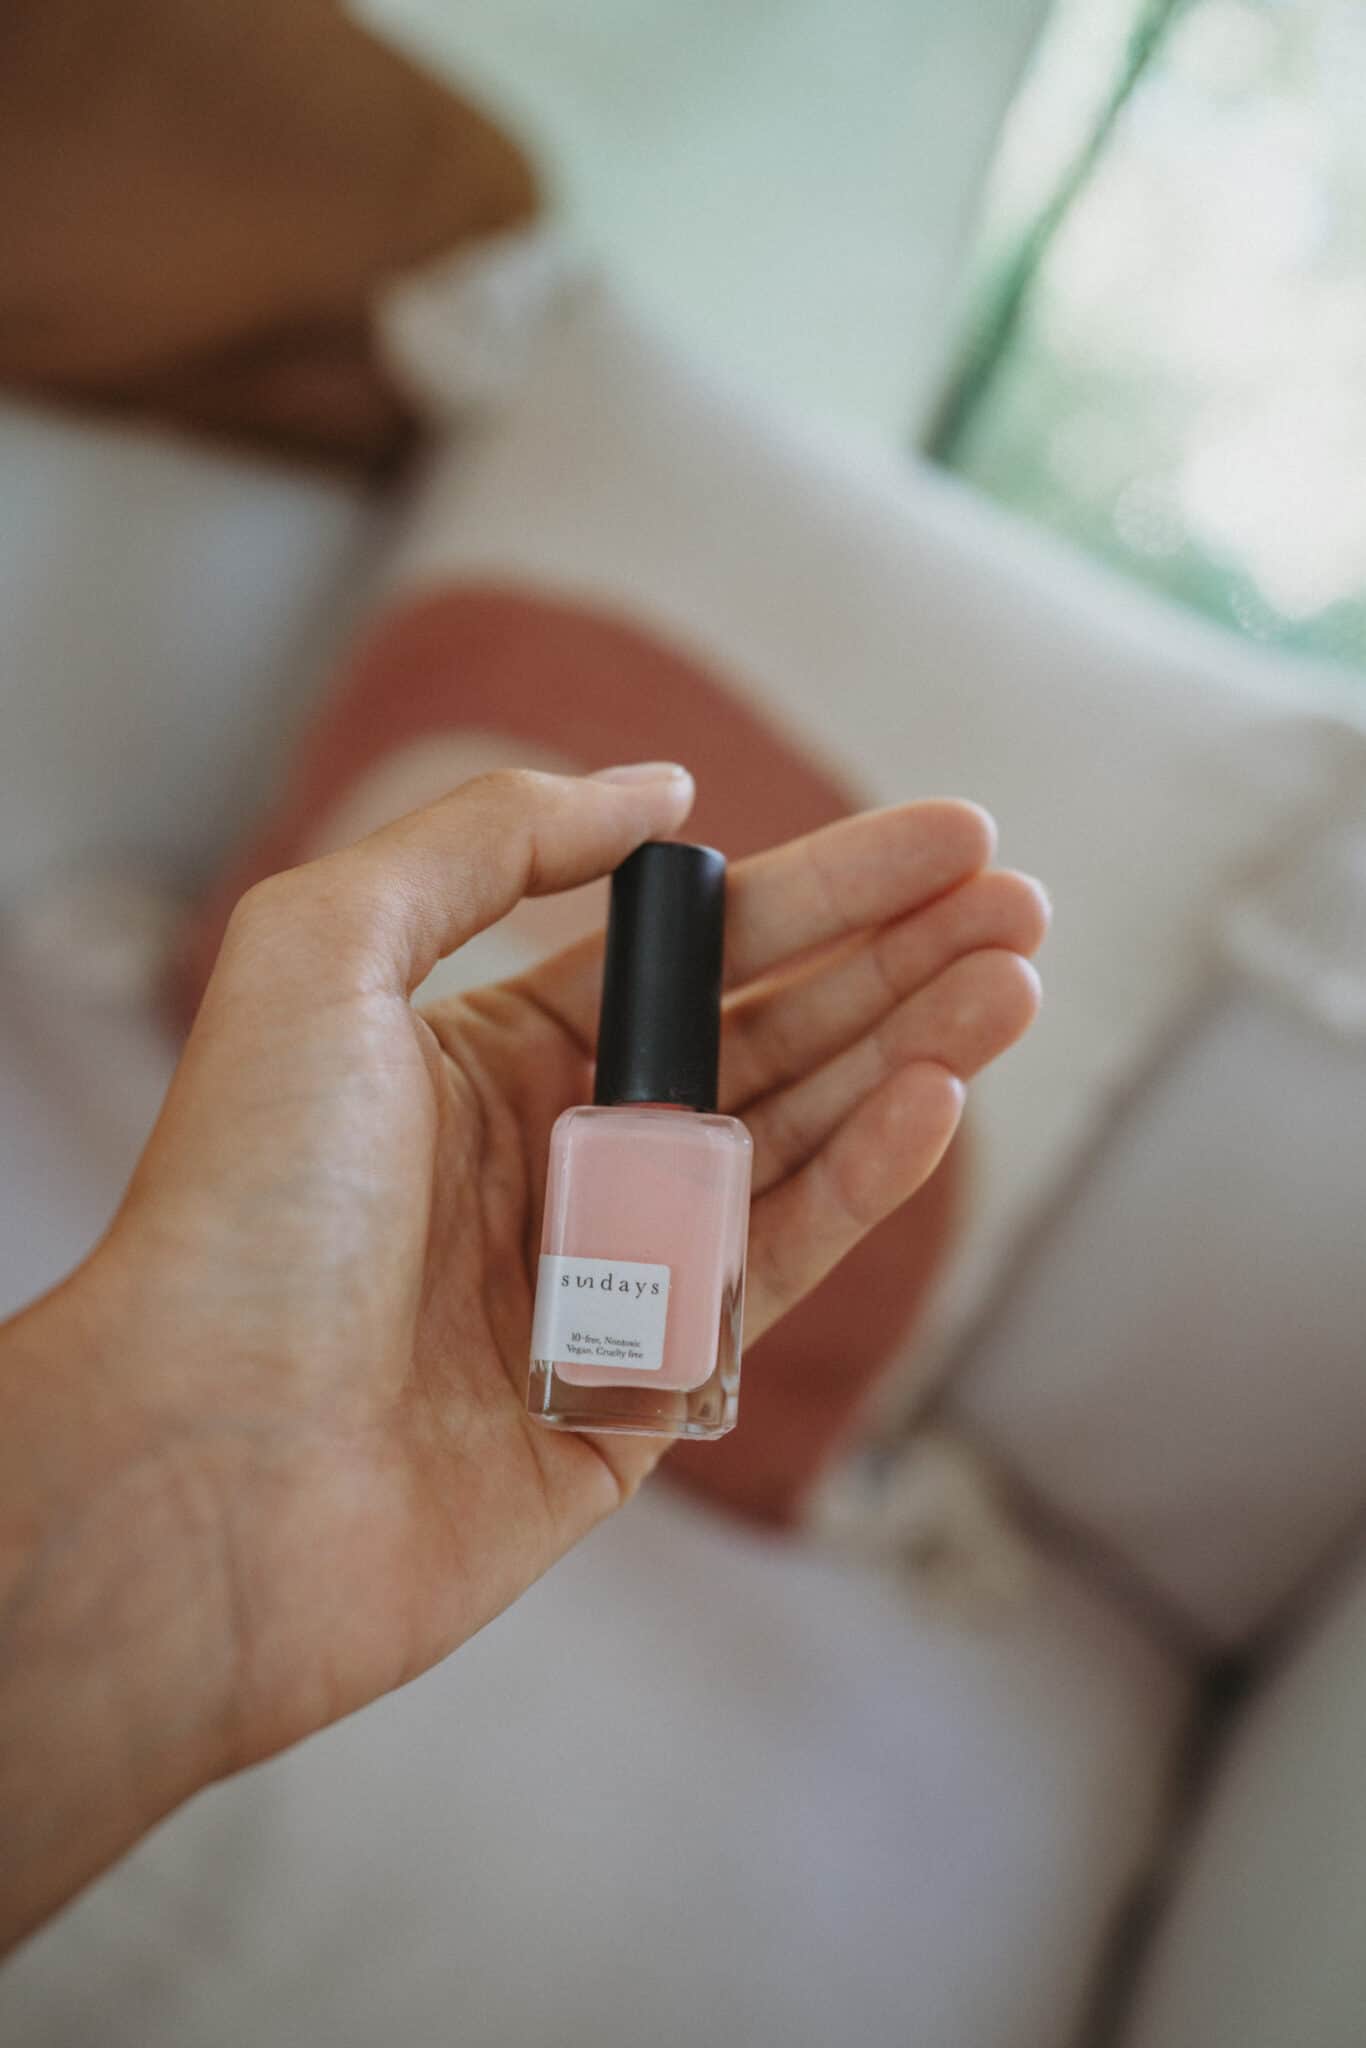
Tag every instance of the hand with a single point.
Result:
(313, 1310)
(201, 201)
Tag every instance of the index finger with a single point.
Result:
(382, 912)
(812, 892)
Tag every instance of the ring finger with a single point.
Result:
(965, 1017)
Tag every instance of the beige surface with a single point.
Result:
(693, 1789)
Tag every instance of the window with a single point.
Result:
(1166, 348)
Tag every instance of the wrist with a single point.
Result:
(115, 1658)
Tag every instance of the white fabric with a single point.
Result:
(1301, 929)
(164, 611)
(1264, 1945)
(1180, 1364)
(57, 1191)
(792, 184)
(694, 1788)
(1135, 760)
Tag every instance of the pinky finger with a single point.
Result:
(871, 1163)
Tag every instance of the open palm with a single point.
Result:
(334, 1228)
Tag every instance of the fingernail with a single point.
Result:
(643, 771)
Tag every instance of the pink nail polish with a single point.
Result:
(640, 1291)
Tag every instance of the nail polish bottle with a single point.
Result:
(640, 1289)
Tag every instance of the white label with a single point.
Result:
(601, 1312)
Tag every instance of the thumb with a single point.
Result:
(381, 913)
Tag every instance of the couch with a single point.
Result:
(703, 1785)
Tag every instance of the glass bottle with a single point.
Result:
(640, 1289)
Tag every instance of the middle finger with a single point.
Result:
(777, 1031)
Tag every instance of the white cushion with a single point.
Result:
(163, 612)
(1178, 1363)
(53, 1202)
(80, 1083)
(695, 1787)
(1264, 1943)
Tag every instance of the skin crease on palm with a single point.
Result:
(267, 1456)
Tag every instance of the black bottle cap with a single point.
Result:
(659, 1038)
